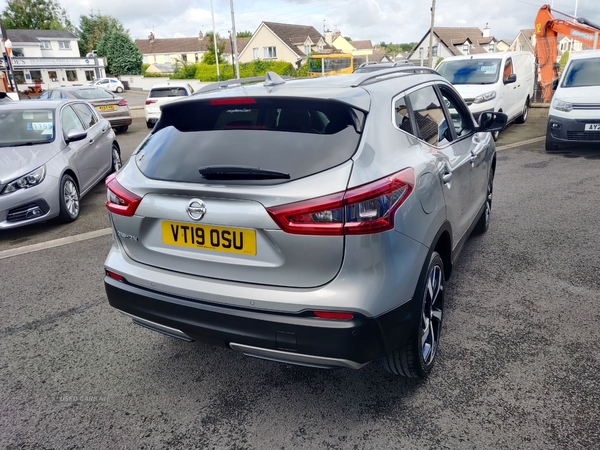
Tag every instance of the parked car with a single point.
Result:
(161, 94)
(373, 66)
(574, 115)
(53, 152)
(499, 81)
(110, 84)
(294, 221)
(112, 107)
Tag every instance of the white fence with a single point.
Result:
(140, 83)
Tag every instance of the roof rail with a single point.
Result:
(372, 77)
(270, 79)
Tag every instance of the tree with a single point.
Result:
(93, 27)
(244, 34)
(122, 55)
(209, 56)
(35, 15)
(563, 62)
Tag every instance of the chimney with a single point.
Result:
(486, 31)
(151, 37)
(200, 35)
(328, 37)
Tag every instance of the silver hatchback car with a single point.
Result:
(312, 222)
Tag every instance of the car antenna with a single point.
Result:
(272, 79)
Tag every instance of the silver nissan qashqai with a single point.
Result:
(312, 222)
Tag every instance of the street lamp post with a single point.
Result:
(430, 58)
(235, 53)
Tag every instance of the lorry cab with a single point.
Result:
(499, 82)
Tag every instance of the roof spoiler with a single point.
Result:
(270, 79)
(372, 77)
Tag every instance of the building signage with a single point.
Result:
(53, 62)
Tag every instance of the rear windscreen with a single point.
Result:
(92, 94)
(294, 136)
(168, 92)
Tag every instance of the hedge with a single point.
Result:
(208, 72)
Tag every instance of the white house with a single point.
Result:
(42, 59)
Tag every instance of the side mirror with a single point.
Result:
(554, 84)
(511, 78)
(492, 121)
(75, 135)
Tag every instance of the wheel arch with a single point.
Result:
(443, 245)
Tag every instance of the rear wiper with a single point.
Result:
(240, 173)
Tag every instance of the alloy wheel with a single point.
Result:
(71, 198)
(431, 319)
(116, 158)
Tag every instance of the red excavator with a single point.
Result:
(547, 29)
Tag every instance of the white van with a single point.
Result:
(499, 81)
(574, 115)
(164, 93)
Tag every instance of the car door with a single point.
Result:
(76, 151)
(454, 166)
(511, 107)
(467, 142)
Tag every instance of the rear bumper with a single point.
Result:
(297, 338)
(120, 121)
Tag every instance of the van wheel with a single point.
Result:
(415, 359)
(523, 117)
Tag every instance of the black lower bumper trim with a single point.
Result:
(361, 339)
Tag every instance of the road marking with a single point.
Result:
(518, 144)
(54, 243)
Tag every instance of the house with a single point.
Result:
(454, 41)
(42, 59)
(173, 51)
(526, 39)
(359, 49)
(284, 42)
(524, 42)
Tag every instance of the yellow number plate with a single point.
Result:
(209, 237)
(107, 108)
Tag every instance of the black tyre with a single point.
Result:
(495, 135)
(484, 220)
(550, 145)
(123, 129)
(149, 124)
(416, 358)
(68, 199)
(116, 157)
(119, 89)
(523, 117)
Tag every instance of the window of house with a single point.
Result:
(19, 76)
(307, 49)
(71, 75)
(184, 57)
(36, 76)
(46, 45)
(320, 47)
(466, 48)
(429, 118)
(145, 59)
(270, 52)
(196, 57)
(255, 53)
(89, 75)
(87, 116)
(64, 45)
(17, 52)
(434, 50)
(52, 75)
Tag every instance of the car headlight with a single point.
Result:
(561, 105)
(485, 97)
(33, 178)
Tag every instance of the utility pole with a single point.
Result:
(429, 60)
(212, 11)
(235, 53)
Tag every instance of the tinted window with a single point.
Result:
(168, 92)
(459, 113)
(295, 136)
(87, 116)
(402, 117)
(91, 94)
(470, 71)
(55, 95)
(429, 116)
(26, 127)
(582, 72)
(508, 68)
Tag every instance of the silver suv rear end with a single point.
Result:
(292, 221)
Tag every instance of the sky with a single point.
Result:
(396, 21)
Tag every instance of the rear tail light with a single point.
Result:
(123, 102)
(149, 102)
(119, 200)
(361, 210)
(333, 315)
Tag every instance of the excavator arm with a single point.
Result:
(547, 29)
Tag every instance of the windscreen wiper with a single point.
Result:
(240, 173)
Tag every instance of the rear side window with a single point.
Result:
(88, 117)
(168, 92)
(293, 136)
(429, 116)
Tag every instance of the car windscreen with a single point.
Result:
(471, 71)
(168, 92)
(91, 94)
(582, 72)
(292, 136)
(25, 127)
